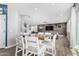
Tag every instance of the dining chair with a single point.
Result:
(34, 47)
(54, 44)
(20, 46)
(50, 46)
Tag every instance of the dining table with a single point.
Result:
(43, 40)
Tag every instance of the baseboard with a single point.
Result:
(76, 47)
(10, 46)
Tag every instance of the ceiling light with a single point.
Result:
(36, 9)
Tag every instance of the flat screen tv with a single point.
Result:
(49, 28)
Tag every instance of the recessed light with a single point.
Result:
(36, 9)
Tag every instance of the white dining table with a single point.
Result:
(46, 43)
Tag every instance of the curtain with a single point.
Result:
(77, 28)
(73, 28)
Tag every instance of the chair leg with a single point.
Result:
(26, 52)
(43, 54)
(23, 52)
(16, 52)
(53, 52)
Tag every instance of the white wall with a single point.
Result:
(68, 29)
(68, 26)
(12, 25)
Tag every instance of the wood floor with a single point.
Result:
(62, 48)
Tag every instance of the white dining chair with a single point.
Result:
(20, 46)
(33, 46)
(54, 44)
(50, 45)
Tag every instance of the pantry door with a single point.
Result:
(2, 31)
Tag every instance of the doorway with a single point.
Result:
(2, 31)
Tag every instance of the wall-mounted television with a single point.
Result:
(49, 28)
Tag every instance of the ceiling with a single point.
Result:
(41, 13)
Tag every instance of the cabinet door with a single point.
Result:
(2, 31)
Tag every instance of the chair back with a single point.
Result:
(20, 45)
(20, 42)
(54, 44)
(32, 41)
